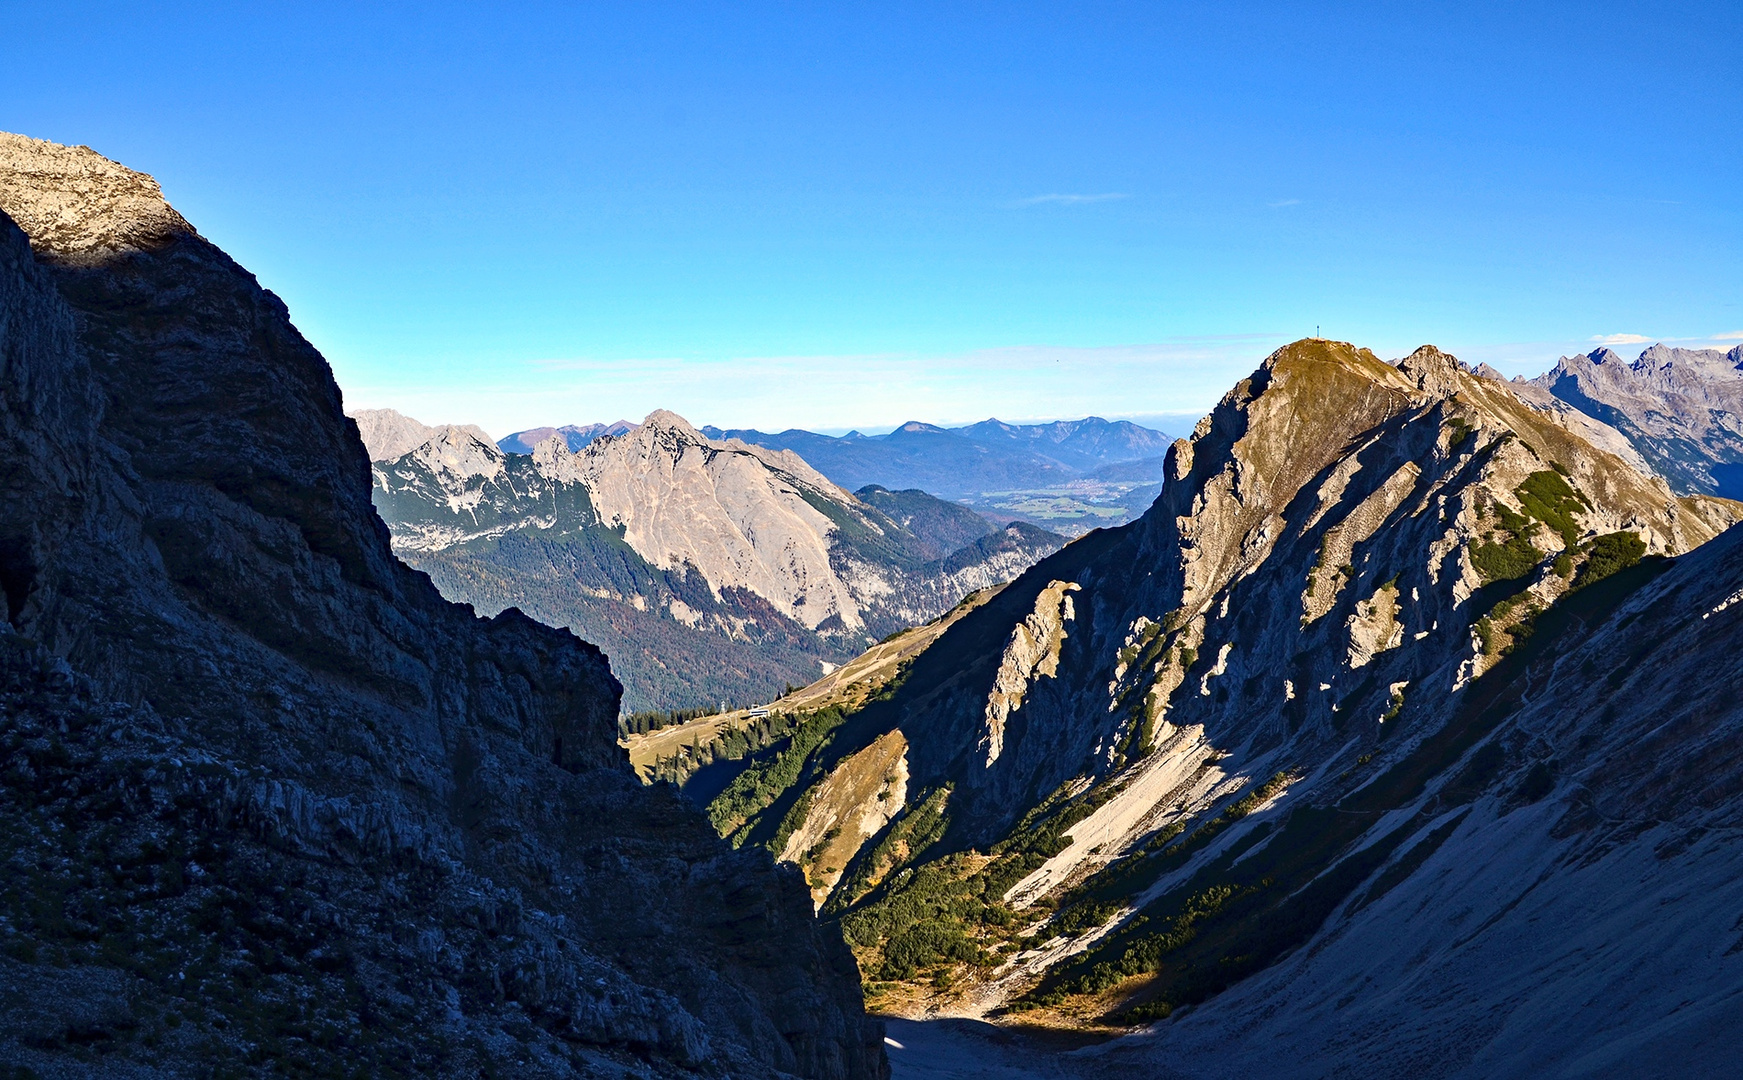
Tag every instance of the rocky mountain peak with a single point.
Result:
(1343, 556)
(388, 434)
(1657, 355)
(80, 208)
(1434, 371)
(553, 458)
(664, 420)
(462, 452)
(1681, 408)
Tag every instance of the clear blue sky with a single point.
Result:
(837, 214)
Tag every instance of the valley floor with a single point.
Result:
(958, 1049)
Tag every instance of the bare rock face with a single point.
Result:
(739, 516)
(388, 434)
(266, 800)
(1682, 408)
(78, 207)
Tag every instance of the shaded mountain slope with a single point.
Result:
(706, 569)
(1136, 775)
(1567, 901)
(1682, 409)
(265, 798)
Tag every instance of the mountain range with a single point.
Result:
(1068, 476)
(953, 463)
(1681, 408)
(1402, 733)
(706, 569)
(1405, 705)
(574, 436)
(269, 804)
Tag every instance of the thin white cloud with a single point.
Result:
(1621, 339)
(870, 391)
(1067, 200)
(1735, 335)
(1284, 202)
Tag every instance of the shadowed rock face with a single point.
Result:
(264, 795)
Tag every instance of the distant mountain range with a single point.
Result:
(1681, 408)
(1067, 476)
(575, 436)
(706, 569)
(954, 463)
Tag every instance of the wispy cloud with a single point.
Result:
(1620, 339)
(1735, 335)
(1284, 202)
(1067, 200)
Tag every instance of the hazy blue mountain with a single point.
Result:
(944, 462)
(575, 435)
(1082, 444)
(954, 463)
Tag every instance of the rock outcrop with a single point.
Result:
(266, 800)
(707, 569)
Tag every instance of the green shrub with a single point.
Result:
(1547, 497)
(1507, 561)
(1394, 707)
(1609, 554)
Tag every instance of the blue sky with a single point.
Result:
(854, 214)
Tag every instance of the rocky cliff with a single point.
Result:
(1162, 759)
(267, 802)
(1682, 409)
(707, 569)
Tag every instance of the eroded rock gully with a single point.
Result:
(266, 800)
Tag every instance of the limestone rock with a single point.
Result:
(387, 434)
